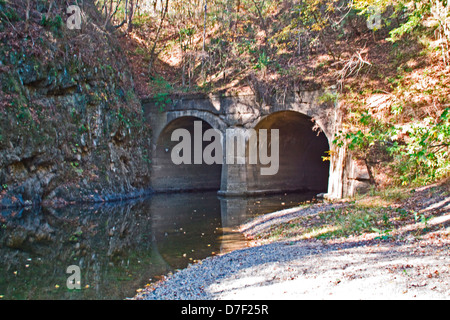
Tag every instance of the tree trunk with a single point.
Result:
(130, 17)
(152, 52)
(370, 172)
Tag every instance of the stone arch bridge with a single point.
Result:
(306, 129)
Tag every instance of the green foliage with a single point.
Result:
(75, 237)
(420, 148)
(186, 33)
(162, 99)
(55, 24)
(369, 133)
(263, 61)
(329, 97)
(163, 89)
(355, 220)
(424, 156)
(413, 22)
(316, 14)
(161, 84)
(408, 14)
(76, 168)
(7, 14)
(383, 234)
(123, 118)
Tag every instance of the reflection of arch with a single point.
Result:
(167, 176)
(300, 155)
(185, 226)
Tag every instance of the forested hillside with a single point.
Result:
(385, 64)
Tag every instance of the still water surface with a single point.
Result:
(120, 247)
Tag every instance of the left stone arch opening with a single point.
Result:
(170, 177)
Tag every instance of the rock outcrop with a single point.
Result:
(71, 125)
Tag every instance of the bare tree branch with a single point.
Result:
(351, 67)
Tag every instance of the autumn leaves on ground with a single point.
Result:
(401, 214)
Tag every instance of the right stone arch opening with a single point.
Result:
(302, 146)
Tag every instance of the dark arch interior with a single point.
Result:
(301, 167)
(169, 177)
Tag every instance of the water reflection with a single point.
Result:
(119, 247)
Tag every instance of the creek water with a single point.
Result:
(122, 246)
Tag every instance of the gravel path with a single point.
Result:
(353, 268)
(311, 270)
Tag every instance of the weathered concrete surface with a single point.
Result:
(306, 126)
(168, 176)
